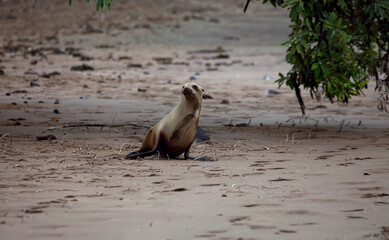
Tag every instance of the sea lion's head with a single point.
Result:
(192, 92)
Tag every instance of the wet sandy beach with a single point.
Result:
(277, 175)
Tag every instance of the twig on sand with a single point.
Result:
(4, 135)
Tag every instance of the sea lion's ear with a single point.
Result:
(203, 89)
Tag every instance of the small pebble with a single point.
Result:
(48, 137)
(30, 72)
(56, 111)
(135, 65)
(225, 101)
(56, 101)
(271, 92)
(34, 84)
(83, 97)
(82, 67)
(192, 78)
(1, 72)
(267, 78)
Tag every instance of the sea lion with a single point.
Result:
(174, 134)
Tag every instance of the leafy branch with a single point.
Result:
(336, 47)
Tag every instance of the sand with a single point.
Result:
(277, 175)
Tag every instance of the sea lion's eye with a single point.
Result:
(195, 87)
(183, 87)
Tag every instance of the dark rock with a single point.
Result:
(82, 67)
(134, 65)
(219, 56)
(201, 135)
(20, 91)
(34, 84)
(56, 111)
(47, 137)
(142, 90)
(48, 75)
(1, 72)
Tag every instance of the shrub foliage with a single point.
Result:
(336, 47)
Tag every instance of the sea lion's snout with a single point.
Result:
(187, 91)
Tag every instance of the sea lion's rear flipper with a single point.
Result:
(135, 155)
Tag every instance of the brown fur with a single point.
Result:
(175, 133)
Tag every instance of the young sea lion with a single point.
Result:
(174, 134)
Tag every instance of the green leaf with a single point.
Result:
(325, 70)
(314, 66)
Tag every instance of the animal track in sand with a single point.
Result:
(324, 157)
(354, 210)
(356, 217)
(285, 231)
(281, 180)
(260, 227)
(239, 219)
(374, 195)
